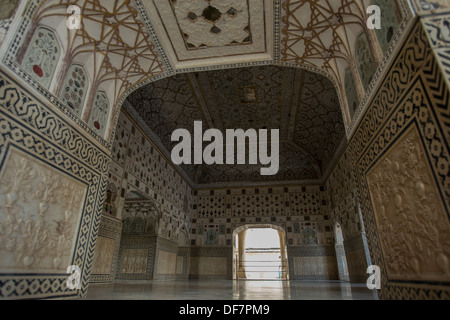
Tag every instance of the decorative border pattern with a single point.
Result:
(412, 93)
(10, 61)
(382, 68)
(28, 123)
(437, 26)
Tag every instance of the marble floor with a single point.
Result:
(229, 290)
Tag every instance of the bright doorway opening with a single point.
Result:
(260, 253)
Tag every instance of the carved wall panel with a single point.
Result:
(315, 266)
(100, 112)
(136, 258)
(40, 212)
(357, 266)
(405, 133)
(167, 262)
(210, 262)
(75, 89)
(104, 253)
(356, 258)
(106, 250)
(208, 267)
(57, 211)
(134, 261)
(312, 262)
(179, 265)
(411, 220)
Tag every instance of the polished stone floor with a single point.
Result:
(229, 290)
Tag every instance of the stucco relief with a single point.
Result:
(40, 208)
(319, 265)
(104, 252)
(213, 23)
(134, 261)
(212, 29)
(413, 224)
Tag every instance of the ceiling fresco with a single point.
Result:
(303, 105)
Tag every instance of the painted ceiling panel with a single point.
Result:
(214, 31)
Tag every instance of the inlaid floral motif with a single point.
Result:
(75, 89)
(100, 112)
(42, 56)
(39, 207)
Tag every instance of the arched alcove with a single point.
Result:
(259, 253)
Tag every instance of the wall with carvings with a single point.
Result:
(143, 254)
(152, 202)
(137, 166)
(396, 167)
(53, 181)
(299, 210)
(62, 198)
(343, 210)
(106, 250)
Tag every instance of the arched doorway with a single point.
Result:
(259, 253)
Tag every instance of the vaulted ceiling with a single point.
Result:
(291, 54)
(303, 105)
(225, 47)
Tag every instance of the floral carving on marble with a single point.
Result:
(413, 224)
(39, 209)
